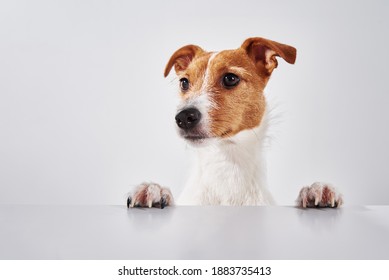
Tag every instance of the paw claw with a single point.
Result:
(163, 203)
(128, 201)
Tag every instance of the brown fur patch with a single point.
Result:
(236, 109)
(182, 58)
(241, 107)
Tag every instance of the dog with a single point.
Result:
(223, 113)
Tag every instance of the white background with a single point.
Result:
(85, 112)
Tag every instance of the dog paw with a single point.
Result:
(319, 195)
(150, 195)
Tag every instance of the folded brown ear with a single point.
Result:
(182, 58)
(263, 52)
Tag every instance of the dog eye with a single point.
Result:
(184, 84)
(230, 80)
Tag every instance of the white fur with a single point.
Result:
(204, 86)
(230, 171)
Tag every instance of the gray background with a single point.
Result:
(85, 113)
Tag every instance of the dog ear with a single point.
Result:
(263, 52)
(182, 58)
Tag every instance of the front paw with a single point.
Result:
(150, 195)
(319, 195)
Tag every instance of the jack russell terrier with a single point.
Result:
(224, 115)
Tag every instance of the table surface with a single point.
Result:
(115, 232)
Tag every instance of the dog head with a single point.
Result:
(222, 92)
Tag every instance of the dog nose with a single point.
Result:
(188, 118)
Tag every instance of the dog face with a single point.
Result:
(222, 92)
